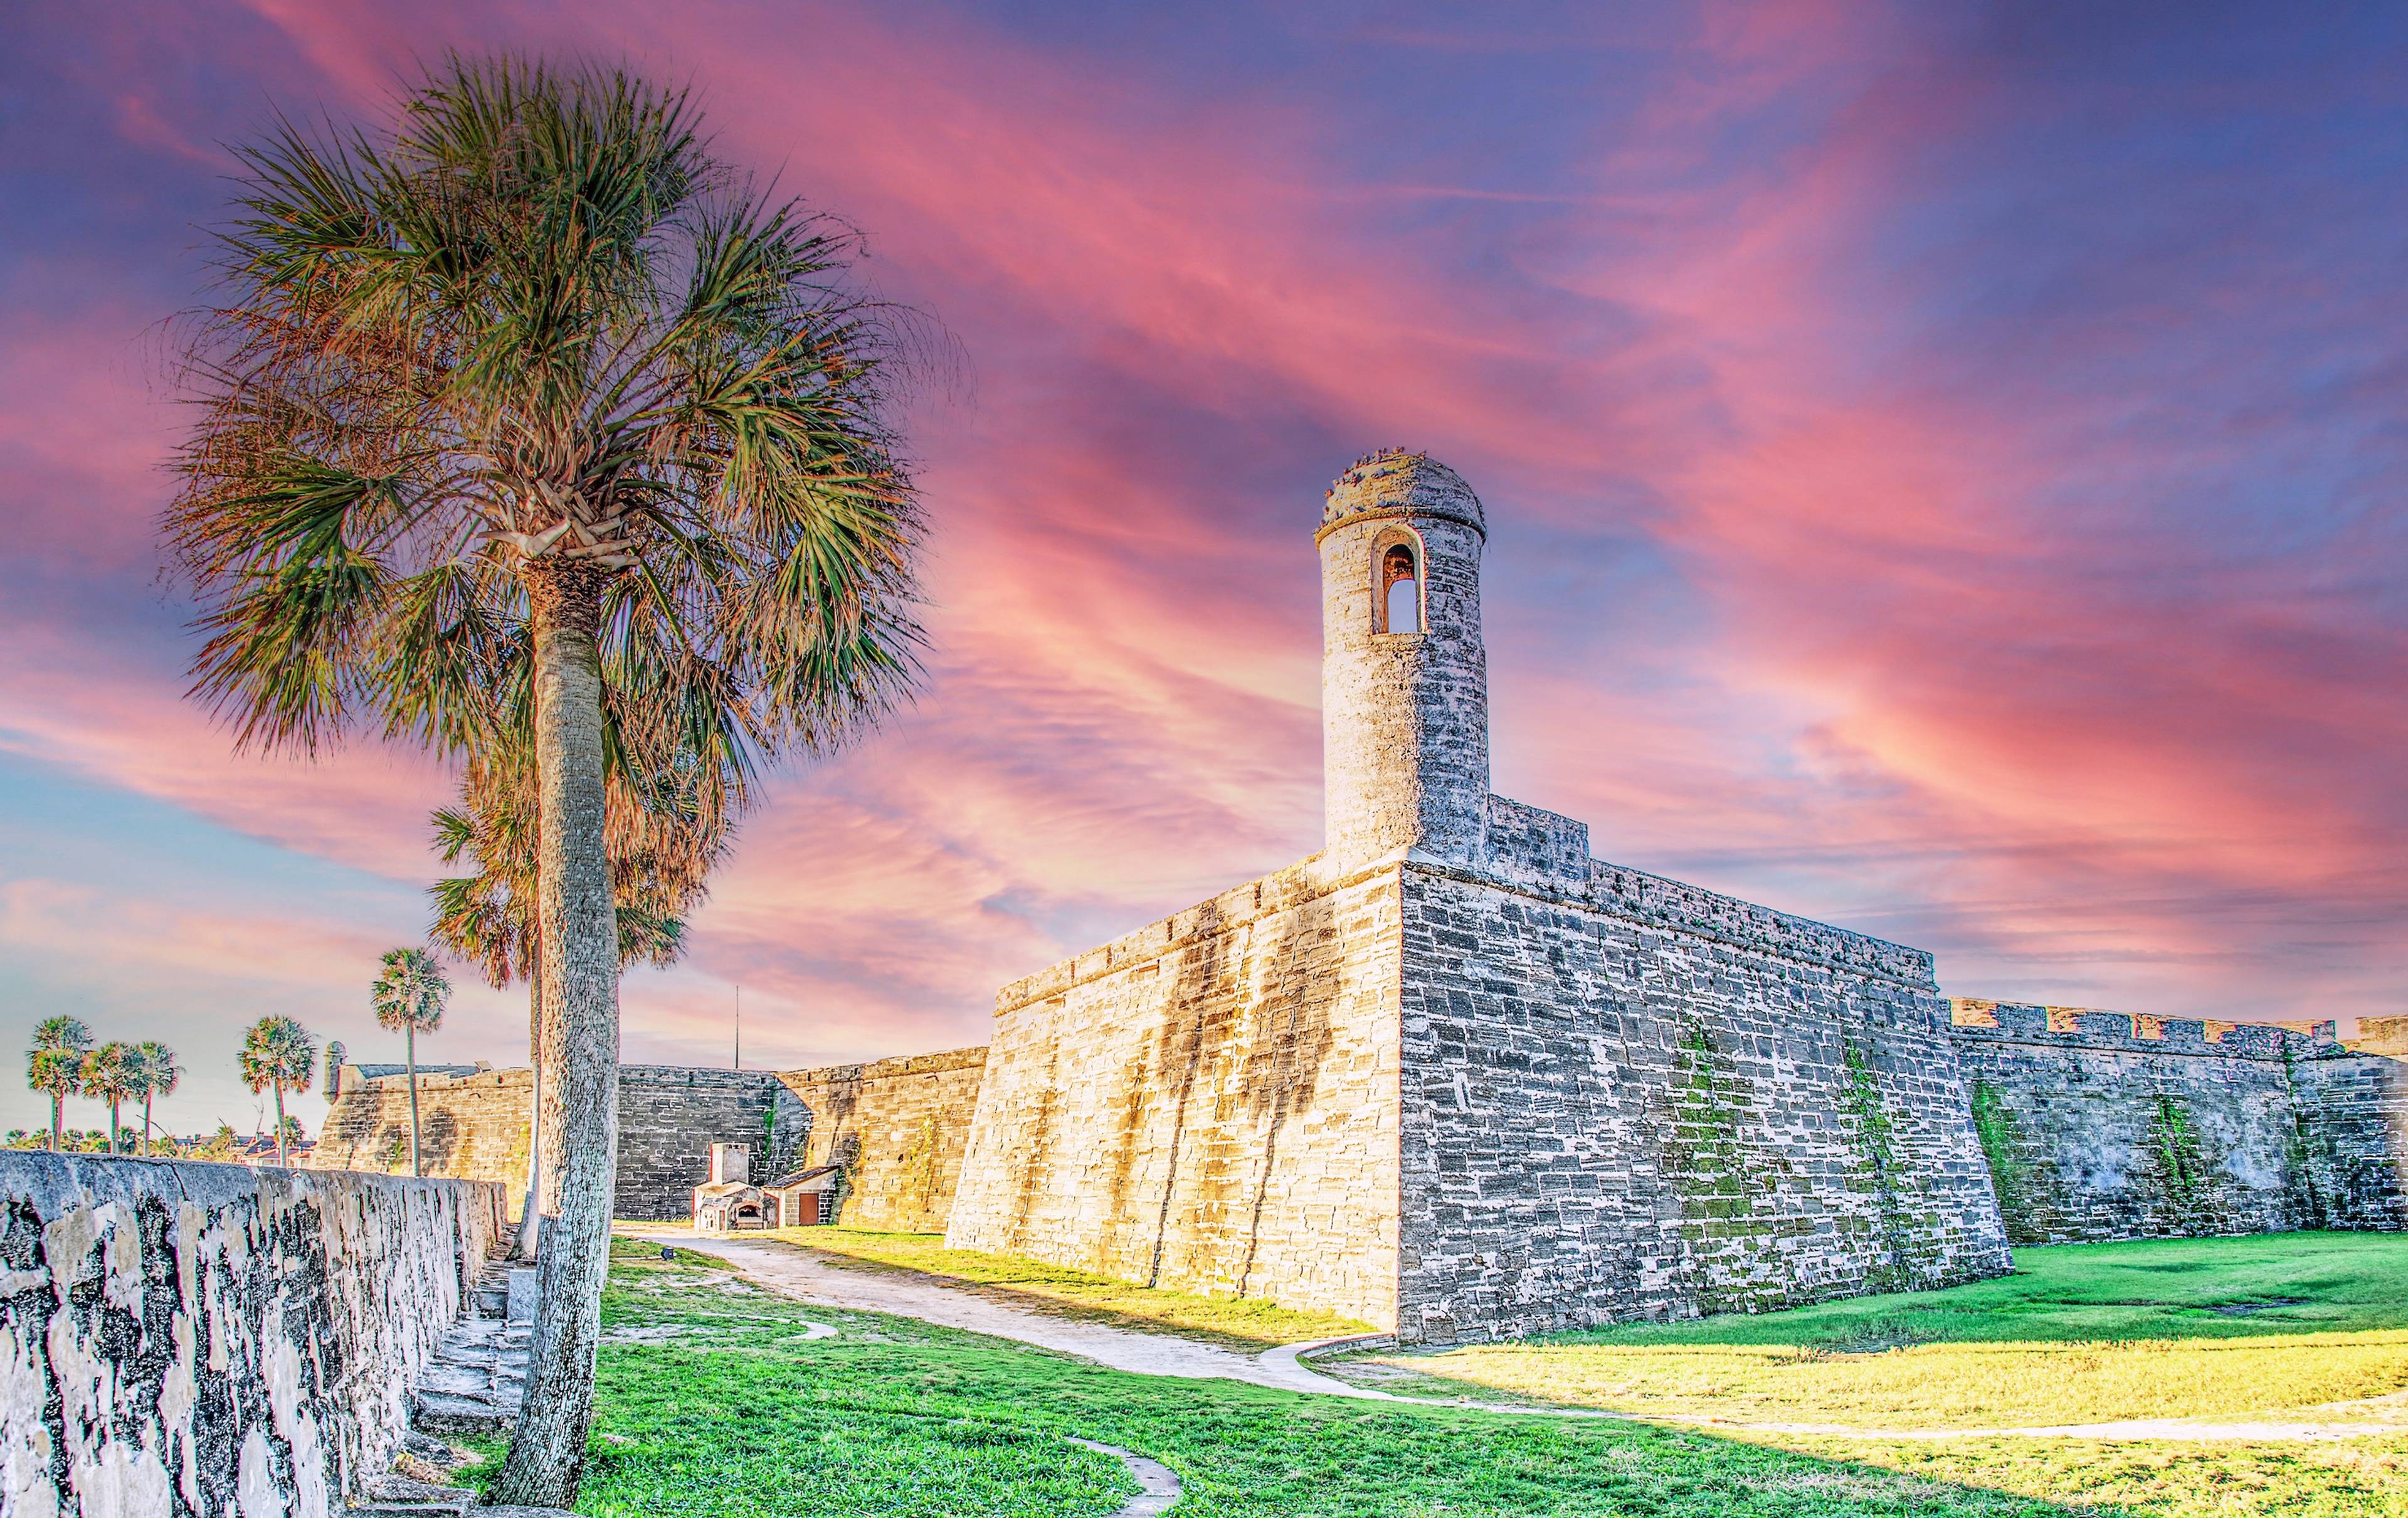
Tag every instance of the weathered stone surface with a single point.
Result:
(1611, 1112)
(186, 1338)
(2354, 1121)
(477, 1381)
(2099, 1126)
(1404, 716)
(1209, 1103)
(900, 1128)
(474, 1127)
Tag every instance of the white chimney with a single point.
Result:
(731, 1161)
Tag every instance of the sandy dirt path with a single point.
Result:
(801, 1274)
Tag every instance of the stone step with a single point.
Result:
(385, 1495)
(456, 1381)
(433, 1413)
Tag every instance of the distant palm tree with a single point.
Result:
(409, 998)
(662, 836)
(112, 1074)
(530, 415)
(278, 1054)
(160, 1074)
(54, 1066)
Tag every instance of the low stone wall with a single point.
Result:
(2098, 1125)
(898, 1127)
(185, 1339)
(474, 1127)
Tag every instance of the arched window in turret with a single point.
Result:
(1398, 604)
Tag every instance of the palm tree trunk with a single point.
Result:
(530, 1231)
(280, 1124)
(409, 1047)
(58, 1116)
(112, 1126)
(579, 1119)
(146, 1125)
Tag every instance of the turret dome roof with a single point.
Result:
(1394, 480)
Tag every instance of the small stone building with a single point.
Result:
(1452, 1074)
(808, 1197)
(728, 1202)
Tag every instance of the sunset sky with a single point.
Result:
(1944, 469)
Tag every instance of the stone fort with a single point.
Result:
(1455, 1078)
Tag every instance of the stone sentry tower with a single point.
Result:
(1404, 675)
(1452, 1074)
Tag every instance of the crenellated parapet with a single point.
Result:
(2102, 1126)
(2083, 1026)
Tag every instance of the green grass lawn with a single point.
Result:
(1079, 1294)
(711, 1401)
(2231, 1327)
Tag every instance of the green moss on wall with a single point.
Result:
(1713, 1170)
(2190, 1193)
(2014, 1175)
(1875, 1137)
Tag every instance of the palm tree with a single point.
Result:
(409, 998)
(662, 835)
(278, 1053)
(112, 1074)
(54, 1066)
(527, 415)
(157, 1063)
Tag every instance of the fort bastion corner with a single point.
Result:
(1454, 1077)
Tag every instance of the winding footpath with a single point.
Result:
(799, 1273)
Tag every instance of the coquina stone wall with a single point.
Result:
(2382, 1036)
(1209, 1103)
(181, 1338)
(899, 1127)
(2098, 1125)
(2353, 1117)
(472, 1127)
(1462, 1105)
(1625, 1098)
(476, 1127)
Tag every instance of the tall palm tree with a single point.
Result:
(54, 1066)
(278, 1053)
(157, 1063)
(112, 1074)
(527, 414)
(662, 834)
(409, 998)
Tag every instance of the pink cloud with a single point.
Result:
(1892, 676)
